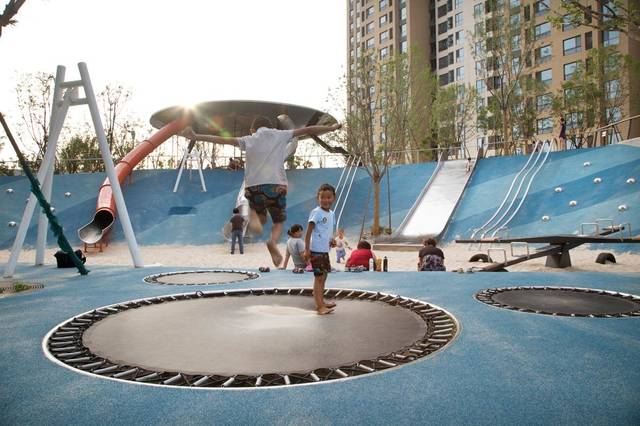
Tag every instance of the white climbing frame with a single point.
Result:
(66, 95)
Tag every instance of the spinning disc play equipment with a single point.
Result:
(218, 276)
(563, 301)
(249, 338)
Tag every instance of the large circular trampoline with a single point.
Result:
(248, 338)
(563, 301)
(208, 277)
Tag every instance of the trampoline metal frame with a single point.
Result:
(486, 297)
(153, 279)
(63, 344)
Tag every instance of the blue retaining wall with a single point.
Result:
(613, 164)
(149, 198)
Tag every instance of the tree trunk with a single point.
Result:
(375, 229)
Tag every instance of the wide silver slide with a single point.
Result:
(430, 214)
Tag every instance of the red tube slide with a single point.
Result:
(105, 213)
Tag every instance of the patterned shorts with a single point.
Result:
(321, 263)
(268, 197)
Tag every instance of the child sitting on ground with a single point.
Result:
(295, 248)
(430, 257)
(341, 245)
(360, 257)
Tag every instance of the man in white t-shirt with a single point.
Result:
(264, 174)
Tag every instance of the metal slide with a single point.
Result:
(105, 214)
(431, 212)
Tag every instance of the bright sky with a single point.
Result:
(182, 52)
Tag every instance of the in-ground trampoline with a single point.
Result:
(248, 338)
(208, 277)
(563, 301)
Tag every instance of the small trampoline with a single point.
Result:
(250, 338)
(563, 301)
(209, 277)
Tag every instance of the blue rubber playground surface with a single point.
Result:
(505, 367)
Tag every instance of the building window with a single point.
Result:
(543, 54)
(403, 30)
(574, 120)
(571, 45)
(588, 40)
(384, 36)
(459, 37)
(383, 4)
(403, 46)
(370, 11)
(541, 7)
(384, 52)
(542, 30)
(478, 10)
(370, 27)
(610, 38)
(570, 69)
(613, 114)
(544, 76)
(458, 19)
(514, 3)
(481, 86)
(480, 68)
(545, 125)
(459, 55)
(458, 4)
(383, 20)
(567, 24)
(544, 102)
(459, 73)
(514, 21)
(612, 89)
(479, 48)
(403, 13)
(370, 43)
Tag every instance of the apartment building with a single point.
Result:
(445, 31)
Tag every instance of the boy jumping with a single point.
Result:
(264, 174)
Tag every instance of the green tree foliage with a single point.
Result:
(386, 114)
(453, 116)
(503, 50)
(613, 15)
(597, 92)
(80, 154)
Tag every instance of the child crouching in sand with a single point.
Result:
(318, 241)
(295, 248)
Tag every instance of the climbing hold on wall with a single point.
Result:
(53, 209)
(67, 194)
(9, 190)
(586, 163)
(622, 208)
(631, 180)
(11, 224)
(597, 180)
(545, 218)
(558, 189)
(573, 203)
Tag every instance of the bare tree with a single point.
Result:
(120, 128)
(34, 94)
(10, 10)
(453, 116)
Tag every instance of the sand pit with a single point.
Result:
(256, 255)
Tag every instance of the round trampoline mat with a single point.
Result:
(209, 277)
(563, 301)
(262, 337)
